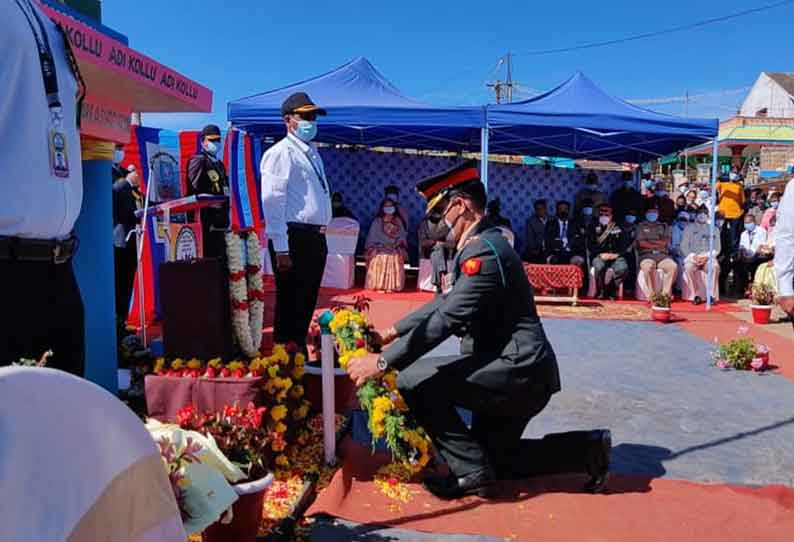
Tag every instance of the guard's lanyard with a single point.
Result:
(319, 173)
(46, 60)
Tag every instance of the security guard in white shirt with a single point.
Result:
(41, 190)
(296, 200)
(784, 250)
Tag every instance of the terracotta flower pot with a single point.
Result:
(246, 514)
(660, 314)
(344, 388)
(761, 313)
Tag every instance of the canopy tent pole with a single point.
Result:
(712, 214)
(484, 157)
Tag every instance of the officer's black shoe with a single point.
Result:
(697, 300)
(598, 455)
(480, 483)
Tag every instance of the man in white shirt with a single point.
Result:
(694, 250)
(297, 205)
(41, 190)
(750, 255)
(784, 250)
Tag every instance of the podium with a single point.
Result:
(193, 291)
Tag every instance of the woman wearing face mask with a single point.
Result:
(608, 243)
(386, 250)
(691, 201)
(695, 254)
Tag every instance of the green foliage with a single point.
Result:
(738, 353)
(659, 299)
(762, 294)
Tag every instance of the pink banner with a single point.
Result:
(117, 59)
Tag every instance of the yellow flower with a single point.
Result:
(300, 359)
(300, 412)
(194, 364)
(286, 383)
(215, 363)
(344, 359)
(177, 364)
(382, 404)
(159, 364)
(298, 372)
(390, 380)
(296, 392)
(281, 428)
(235, 365)
(278, 445)
(272, 371)
(282, 461)
(278, 412)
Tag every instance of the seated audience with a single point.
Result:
(589, 192)
(680, 203)
(392, 192)
(338, 209)
(608, 242)
(625, 198)
(753, 251)
(436, 245)
(756, 205)
(494, 214)
(563, 243)
(653, 240)
(695, 251)
(692, 205)
(765, 274)
(662, 202)
(536, 233)
(386, 250)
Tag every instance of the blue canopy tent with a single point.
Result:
(364, 108)
(579, 120)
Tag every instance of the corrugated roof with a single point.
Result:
(784, 79)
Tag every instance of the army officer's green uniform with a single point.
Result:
(505, 374)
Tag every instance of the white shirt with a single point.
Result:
(750, 242)
(294, 189)
(35, 203)
(784, 243)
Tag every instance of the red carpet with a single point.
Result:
(553, 508)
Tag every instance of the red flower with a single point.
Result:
(225, 373)
(360, 343)
(240, 275)
(239, 305)
(238, 373)
(211, 372)
(252, 269)
(185, 415)
(259, 371)
(392, 482)
(291, 347)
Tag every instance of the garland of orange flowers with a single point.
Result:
(246, 291)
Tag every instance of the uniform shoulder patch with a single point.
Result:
(471, 266)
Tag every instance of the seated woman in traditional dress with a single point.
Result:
(765, 274)
(386, 250)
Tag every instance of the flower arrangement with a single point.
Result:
(763, 295)
(741, 353)
(246, 290)
(241, 434)
(661, 300)
(389, 418)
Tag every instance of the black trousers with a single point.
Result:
(296, 289)
(42, 311)
(125, 262)
(744, 271)
(433, 387)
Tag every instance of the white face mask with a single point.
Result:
(211, 147)
(604, 220)
(118, 156)
(388, 210)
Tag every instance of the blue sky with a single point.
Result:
(445, 52)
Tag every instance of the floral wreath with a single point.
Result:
(246, 290)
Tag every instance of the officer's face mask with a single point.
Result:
(631, 219)
(587, 211)
(604, 220)
(211, 147)
(652, 217)
(306, 130)
(118, 156)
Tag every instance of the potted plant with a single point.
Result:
(762, 298)
(243, 435)
(660, 306)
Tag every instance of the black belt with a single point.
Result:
(301, 226)
(38, 250)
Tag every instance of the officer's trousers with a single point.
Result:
(297, 289)
(433, 387)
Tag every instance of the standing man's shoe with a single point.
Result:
(598, 458)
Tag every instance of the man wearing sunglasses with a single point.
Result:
(296, 200)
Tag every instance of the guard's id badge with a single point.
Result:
(59, 159)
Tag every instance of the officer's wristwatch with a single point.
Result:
(381, 364)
